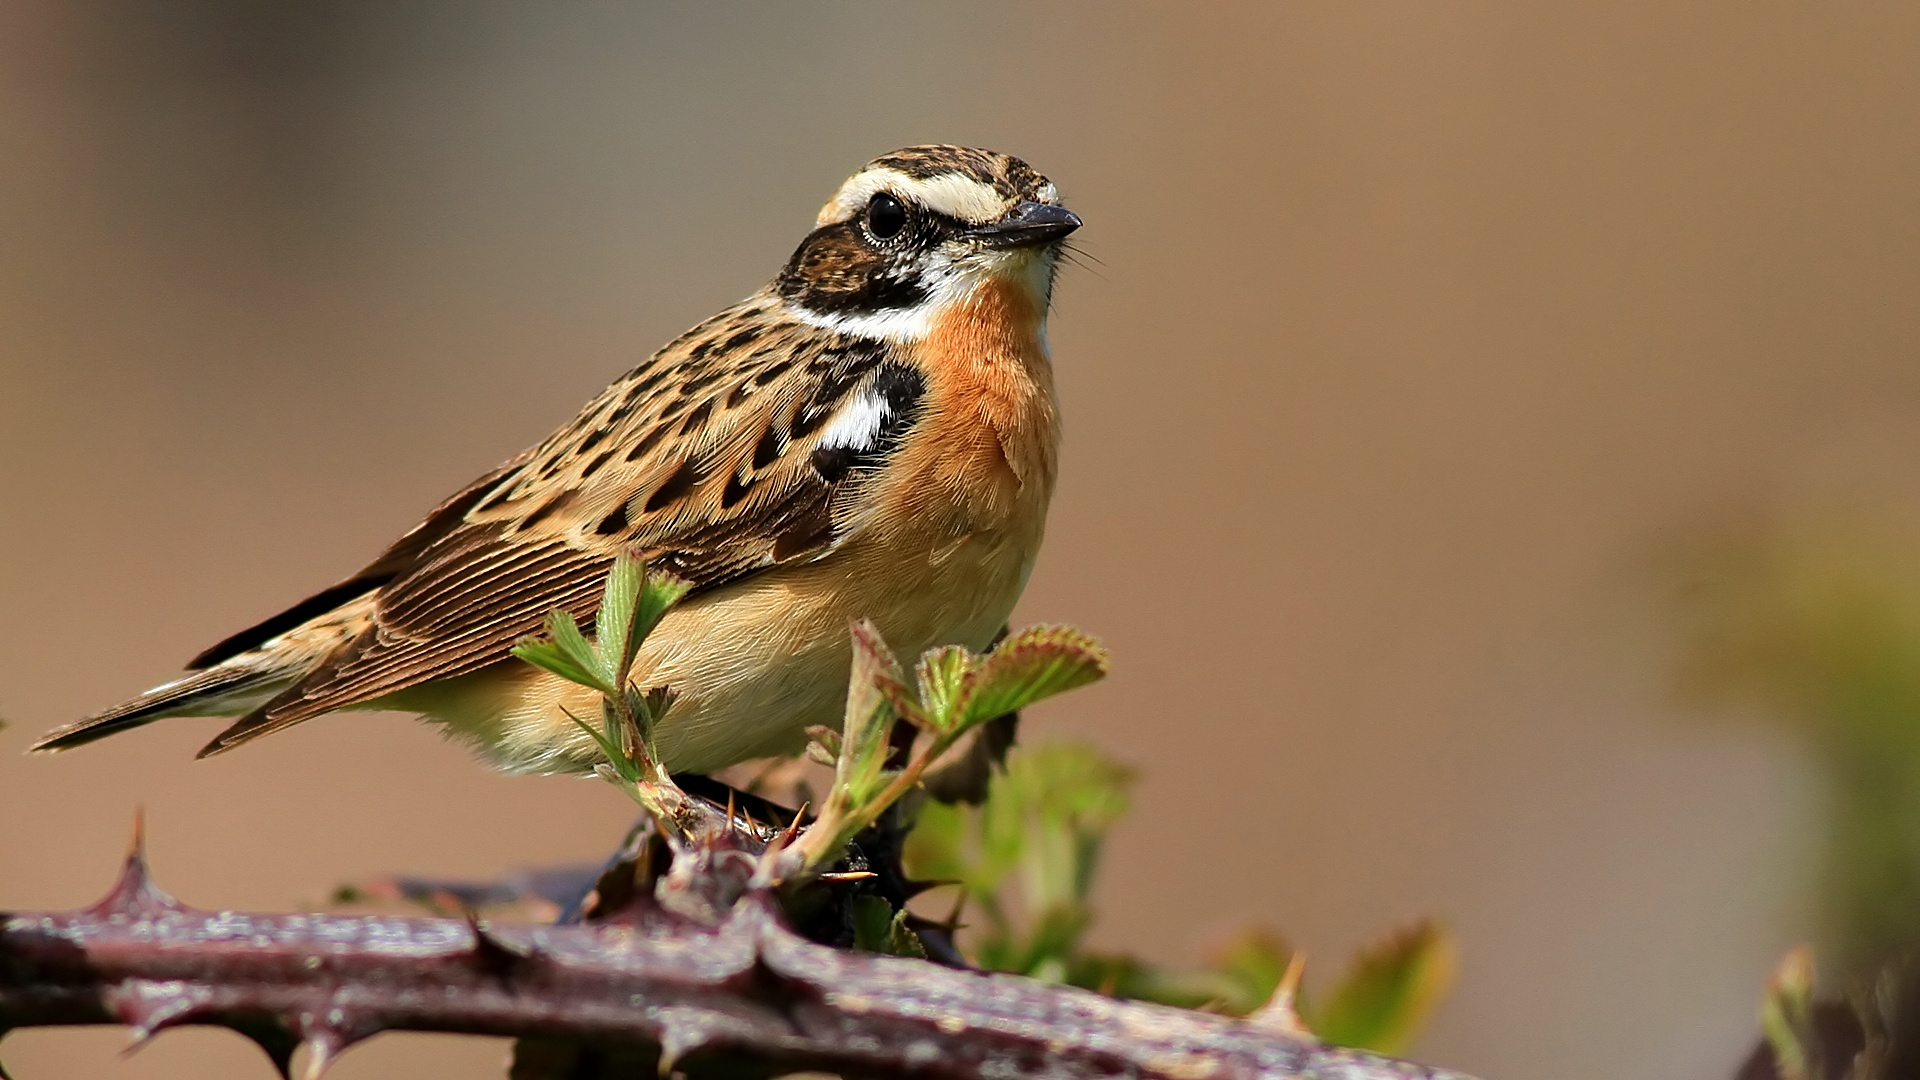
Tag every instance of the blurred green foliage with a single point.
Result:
(954, 692)
(1786, 1016)
(1817, 623)
(1025, 861)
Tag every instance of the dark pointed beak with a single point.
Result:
(1028, 225)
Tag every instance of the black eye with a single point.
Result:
(885, 217)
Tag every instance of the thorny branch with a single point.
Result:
(710, 946)
(743, 996)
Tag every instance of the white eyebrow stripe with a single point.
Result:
(951, 194)
(857, 425)
(959, 197)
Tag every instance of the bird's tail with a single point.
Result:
(228, 689)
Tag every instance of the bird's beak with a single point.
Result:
(1028, 224)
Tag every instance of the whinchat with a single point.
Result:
(872, 435)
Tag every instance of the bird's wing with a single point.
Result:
(750, 442)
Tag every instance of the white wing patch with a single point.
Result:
(857, 425)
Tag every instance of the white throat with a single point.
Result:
(952, 284)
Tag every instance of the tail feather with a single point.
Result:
(246, 729)
(226, 690)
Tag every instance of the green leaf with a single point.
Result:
(1071, 781)
(1035, 663)
(628, 731)
(1053, 939)
(936, 848)
(901, 940)
(613, 624)
(648, 707)
(864, 732)
(1390, 991)
(1046, 815)
(658, 594)
(659, 699)
(1039, 833)
(1241, 978)
(566, 636)
(609, 748)
(828, 738)
(823, 745)
(872, 919)
(945, 684)
(549, 657)
(1124, 976)
(877, 928)
(1250, 968)
(1786, 1015)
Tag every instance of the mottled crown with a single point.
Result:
(966, 183)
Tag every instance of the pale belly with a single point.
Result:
(753, 665)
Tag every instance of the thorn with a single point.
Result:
(952, 923)
(323, 1049)
(137, 1040)
(916, 888)
(275, 1042)
(1288, 989)
(148, 1009)
(135, 893)
(793, 828)
(766, 876)
(494, 955)
(677, 1040)
(1279, 1014)
(730, 810)
(849, 875)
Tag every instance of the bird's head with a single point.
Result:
(920, 229)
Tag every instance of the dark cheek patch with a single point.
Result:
(837, 272)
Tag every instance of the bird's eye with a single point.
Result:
(885, 217)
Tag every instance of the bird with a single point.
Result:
(873, 434)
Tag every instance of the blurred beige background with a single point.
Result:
(1413, 325)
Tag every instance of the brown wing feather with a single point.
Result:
(703, 461)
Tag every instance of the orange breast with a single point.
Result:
(988, 457)
(951, 538)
